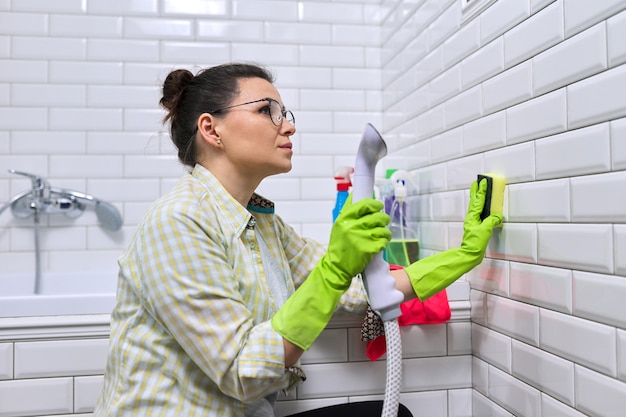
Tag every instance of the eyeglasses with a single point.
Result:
(276, 112)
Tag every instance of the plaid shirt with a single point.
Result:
(190, 334)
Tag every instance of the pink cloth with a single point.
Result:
(433, 310)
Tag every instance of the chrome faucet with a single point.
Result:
(44, 199)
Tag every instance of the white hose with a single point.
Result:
(394, 369)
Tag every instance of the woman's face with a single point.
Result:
(252, 142)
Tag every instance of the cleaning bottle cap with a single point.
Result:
(342, 178)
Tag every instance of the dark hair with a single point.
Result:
(186, 97)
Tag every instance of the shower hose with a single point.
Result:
(394, 368)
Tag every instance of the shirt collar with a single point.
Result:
(241, 216)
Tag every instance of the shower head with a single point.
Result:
(109, 217)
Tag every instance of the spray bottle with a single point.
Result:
(342, 178)
(403, 249)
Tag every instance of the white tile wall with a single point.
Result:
(529, 89)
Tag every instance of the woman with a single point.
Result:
(208, 320)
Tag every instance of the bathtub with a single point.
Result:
(61, 294)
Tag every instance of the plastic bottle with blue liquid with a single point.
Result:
(343, 181)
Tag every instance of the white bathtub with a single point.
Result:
(67, 293)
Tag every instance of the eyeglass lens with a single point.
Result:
(276, 113)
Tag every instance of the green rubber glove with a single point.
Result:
(360, 231)
(434, 273)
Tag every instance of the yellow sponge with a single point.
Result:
(494, 199)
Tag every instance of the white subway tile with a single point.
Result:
(122, 96)
(347, 379)
(320, 55)
(596, 99)
(36, 397)
(460, 174)
(350, 78)
(536, 34)
(157, 28)
(420, 341)
(518, 320)
(122, 142)
(600, 298)
(100, 166)
(459, 338)
(85, 119)
(486, 133)
(67, 6)
(514, 241)
(463, 108)
(444, 26)
(508, 88)
(427, 68)
(51, 238)
(478, 312)
(331, 346)
(30, 24)
(461, 44)
(86, 26)
(48, 95)
(430, 122)
(595, 198)
(316, 99)
(5, 46)
(428, 374)
(433, 403)
(483, 406)
(552, 407)
(542, 286)
(265, 10)
(514, 163)
(621, 354)
(514, 395)
(236, 31)
(616, 31)
(445, 86)
(598, 394)
(544, 371)
(192, 52)
(46, 142)
(151, 166)
(580, 14)
(446, 146)
(75, 72)
(6, 361)
(48, 48)
(618, 144)
(561, 65)
(60, 358)
(86, 392)
(330, 12)
(502, 16)
(143, 120)
(576, 246)
(490, 276)
(448, 206)
(536, 5)
(17, 70)
(581, 341)
(538, 117)
(620, 249)
(484, 63)
(359, 35)
(204, 8)
(123, 50)
(276, 188)
(491, 346)
(480, 375)
(577, 152)
(123, 7)
(23, 118)
(541, 201)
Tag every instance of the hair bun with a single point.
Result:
(174, 85)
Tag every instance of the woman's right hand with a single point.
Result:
(359, 232)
